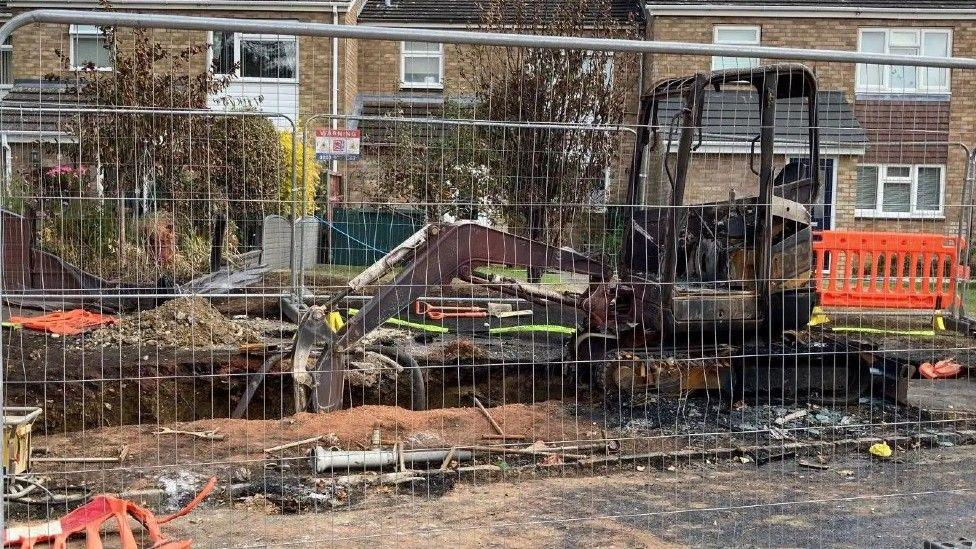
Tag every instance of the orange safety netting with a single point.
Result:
(71, 322)
(90, 517)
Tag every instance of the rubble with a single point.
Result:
(184, 322)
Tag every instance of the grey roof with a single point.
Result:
(19, 107)
(915, 4)
(733, 116)
(469, 11)
(373, 111)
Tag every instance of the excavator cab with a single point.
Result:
(741, 264)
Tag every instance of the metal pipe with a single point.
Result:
(144, 110)
(323, 461)
(366, 32)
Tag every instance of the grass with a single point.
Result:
(969, 296)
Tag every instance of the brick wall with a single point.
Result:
(379, 69)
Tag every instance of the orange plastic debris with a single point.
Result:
(90, 517)
(440, 313)
(943, 369)
(71, 322)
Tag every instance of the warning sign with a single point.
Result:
(337, 144)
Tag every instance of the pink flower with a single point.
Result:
(66, 169)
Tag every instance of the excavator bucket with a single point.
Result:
(323, 390)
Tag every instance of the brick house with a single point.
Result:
(891, 161)
(909, 176)
(293, 76)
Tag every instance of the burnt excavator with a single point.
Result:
(705, 296)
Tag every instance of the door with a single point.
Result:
(822, 210)
(823, 204)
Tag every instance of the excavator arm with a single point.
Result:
(437, 255)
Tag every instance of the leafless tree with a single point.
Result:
(546, 175)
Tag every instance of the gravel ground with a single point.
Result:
(924, 494)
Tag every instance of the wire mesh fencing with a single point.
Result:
(486, 292)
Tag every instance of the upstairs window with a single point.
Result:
(88, 48)
(421, 65)
(735, 36)
(899, 190)
(254, 57)
(904, 79)
(7, 64)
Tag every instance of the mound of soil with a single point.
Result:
(184, 322)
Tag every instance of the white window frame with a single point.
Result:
(878, 211)
(404, 54)
(5, 47)
(238, 37)
(861, 86)
(74, 31)
(757, 42)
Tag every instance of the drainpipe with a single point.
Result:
(7, 164)
(335, 81)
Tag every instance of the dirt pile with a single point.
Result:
(184, 322)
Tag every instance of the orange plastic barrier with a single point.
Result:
(90, 517)
(887, 270)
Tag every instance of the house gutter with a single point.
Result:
(840, 12)
(299, 28)
(244, 5)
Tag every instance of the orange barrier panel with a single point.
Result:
(887, 270)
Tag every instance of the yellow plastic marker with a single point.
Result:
(334, 321)
(818, 317)
(880, 449)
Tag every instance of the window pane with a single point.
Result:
(903, 38)
(736, 36)
(421, 70)
(719, 63)
(935, 44)
(268, 58)
(903, 78)
(898, 171)
(897, 197)
(223, 53)
(421, 47)
(929, 189)
(90, 49)
(873, 42)
(6, 66)
(867, 187)
(870, 76)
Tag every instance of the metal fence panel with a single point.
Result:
(489, 287)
